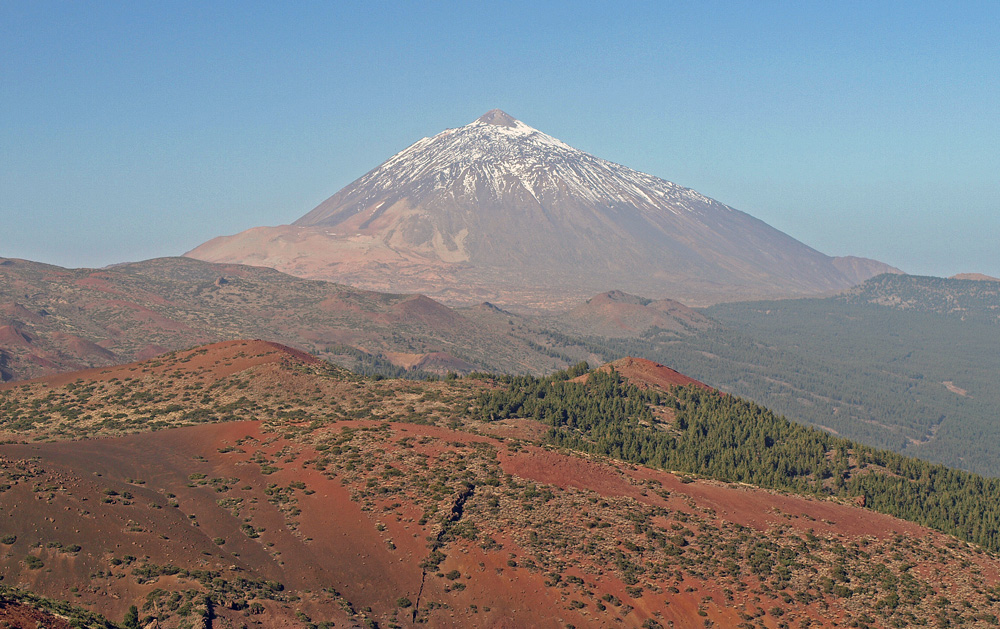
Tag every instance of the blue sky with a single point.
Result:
(136, 130)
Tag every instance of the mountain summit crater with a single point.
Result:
(498, 118)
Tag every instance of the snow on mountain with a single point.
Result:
(501, 211)
(497, 149)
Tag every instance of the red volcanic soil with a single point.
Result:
(217, 360)
(423, 309)
(18, 616)
(10, 336)
(311, 514)
(99, 282)
(18, 312)
(642, 372)
(186, 496)
(731, 502)
(81, 347)
(134, 496)
(142, 314)
(151, 351)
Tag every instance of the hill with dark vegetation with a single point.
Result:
(900, 362)
(965, 299)
(247, 484)
(905, 362)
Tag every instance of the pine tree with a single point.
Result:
(131, 618)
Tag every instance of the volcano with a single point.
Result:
(501, 211)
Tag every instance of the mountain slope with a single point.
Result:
(901, 361)
(54, 319)
(619, 314)
(968, 299)
(501, 211)
(235, 483)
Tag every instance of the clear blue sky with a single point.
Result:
(131, 130)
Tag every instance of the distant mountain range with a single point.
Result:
(499, 211)
(54, 319)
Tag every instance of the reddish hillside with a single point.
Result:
(18, 616)
(215, 361)
(352, 501)
(146, 512)
(647, 373)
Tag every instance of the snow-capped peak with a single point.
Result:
(496, 146)
(500, 124)
(497, 202)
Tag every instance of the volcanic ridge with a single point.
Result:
(247, 484)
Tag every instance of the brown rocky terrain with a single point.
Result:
(618, 314)
(54, 319)
(247, 484)
(17, 615)
(975, 276)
